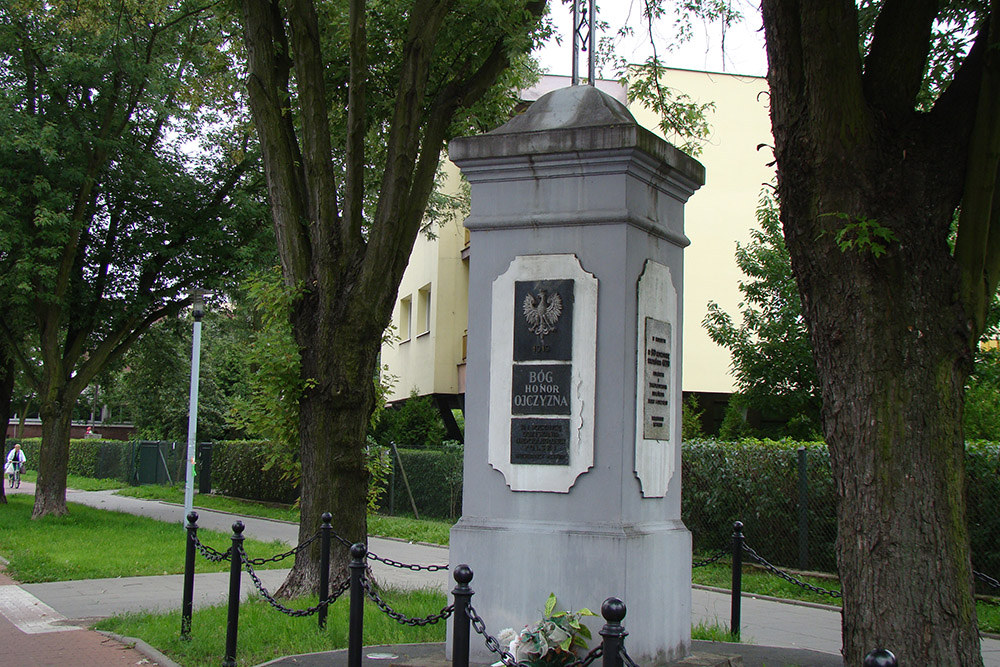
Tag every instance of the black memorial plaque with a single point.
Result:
(543, 320)
(540, 389)
(539, 441)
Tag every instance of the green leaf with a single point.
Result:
(550, 604)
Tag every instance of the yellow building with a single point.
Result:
(432, 306)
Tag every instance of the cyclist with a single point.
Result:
(15, 465)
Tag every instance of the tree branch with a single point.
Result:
(356, 127)
(267, 85)
(894, 68)
(977, 248)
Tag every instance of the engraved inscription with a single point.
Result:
(543, 320)
(539, 441)
(656, 398)
(540, 390)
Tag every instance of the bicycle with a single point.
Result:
(14, 477)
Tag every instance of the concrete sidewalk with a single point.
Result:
(764, 622)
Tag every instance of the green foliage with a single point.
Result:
(691, 426)
(378, 461)
(863, 235)
(557, 639)
(98, 459)
(772, 356)
(981, 417)
(757, 482)
(414, 424)
(241, 468)
(269, 409)
(435, 478)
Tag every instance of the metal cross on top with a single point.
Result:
(584, 19)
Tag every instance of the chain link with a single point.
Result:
(986, 579)
(789, 578)
(209, 553)
(507, 658)
(626, 658)
(337, 592)
(280, 557)
(402, 619)
(406, 566)
(709, 561)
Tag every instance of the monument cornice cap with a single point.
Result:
(575, 119)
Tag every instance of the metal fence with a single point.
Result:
(787, 493)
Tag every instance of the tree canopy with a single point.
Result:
(124, 184)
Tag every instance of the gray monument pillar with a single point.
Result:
(573, 403)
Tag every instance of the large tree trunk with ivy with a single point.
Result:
(868, 186)
(344, 244)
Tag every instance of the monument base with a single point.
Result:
(517, 563)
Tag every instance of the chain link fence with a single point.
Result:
(785, 494)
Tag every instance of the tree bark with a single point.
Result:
(53, 458)
(867, 189)
(7, 369)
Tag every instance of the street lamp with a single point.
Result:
(198, 310)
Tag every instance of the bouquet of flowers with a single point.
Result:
(553, 641)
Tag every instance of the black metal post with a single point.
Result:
(737, 590)
(324, 566)
(359, 554)
(460, 628)
(803, 509)
(880, 658)
(235, 565)
(613, 611)
(187, 603)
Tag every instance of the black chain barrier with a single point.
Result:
(393, 563)
(709, 561)
(209, 553)
(508, 659)
(403, 619)
(281, 557)
(986, 579)
(337, 592)
(789, 578)
(626, 658)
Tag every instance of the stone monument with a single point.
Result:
(573, 403)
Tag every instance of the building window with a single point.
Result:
(405, 306)
(424, 309)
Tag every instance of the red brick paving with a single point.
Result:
(76, 648)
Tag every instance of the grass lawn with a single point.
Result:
(90, 543)
(759, 582)
(412, 530)
(81, 483)
(265, 634)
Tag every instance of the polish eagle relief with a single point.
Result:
(542, 313)
(543, 320)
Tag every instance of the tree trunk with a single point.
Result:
(53, 459)
(333, 426)
(7, 369)
(868, 187)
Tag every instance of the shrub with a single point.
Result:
(756, 482)
(239, 468)
(435, 478)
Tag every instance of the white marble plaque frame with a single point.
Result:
(535, 477)
(654, 458)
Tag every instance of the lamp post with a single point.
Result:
(198, 305)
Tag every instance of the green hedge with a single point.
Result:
(238, 470)
(756, 481)
(435, 478)
(100, 459)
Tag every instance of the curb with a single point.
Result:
(141, 647)
(768, 598)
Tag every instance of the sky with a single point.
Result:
(744, 43)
